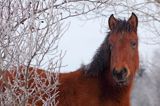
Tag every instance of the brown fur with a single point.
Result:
(89, 91)
(93, 84)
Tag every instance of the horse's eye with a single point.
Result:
(110, 46)
(133, 44)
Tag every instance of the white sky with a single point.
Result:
(84, 37)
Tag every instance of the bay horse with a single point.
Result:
(108, 79)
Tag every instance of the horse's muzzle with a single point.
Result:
(120, 76)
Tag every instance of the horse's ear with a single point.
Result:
(133, 21)
(112, 22)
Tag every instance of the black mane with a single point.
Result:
(101, 60)
(122, 25)
(99, 63)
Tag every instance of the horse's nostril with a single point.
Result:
(120, 74)
(124, 72)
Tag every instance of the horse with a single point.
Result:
(107, 80)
